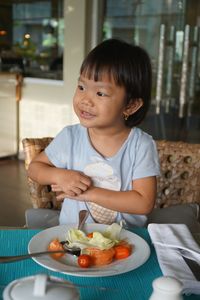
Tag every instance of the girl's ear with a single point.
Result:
(133, 106)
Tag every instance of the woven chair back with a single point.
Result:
(180, 173)
(179, 181)
(41, 195)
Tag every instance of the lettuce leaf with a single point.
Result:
(105, 240)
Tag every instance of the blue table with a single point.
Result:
(136, 284)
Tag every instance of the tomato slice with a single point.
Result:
(84, 261)
(54, 246)
(90, 235)
(122, 251)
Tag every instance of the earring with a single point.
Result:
(126, 116)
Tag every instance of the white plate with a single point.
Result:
(68, 263)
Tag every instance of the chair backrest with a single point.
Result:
(179, 181)
(180, 173)
(41, 195)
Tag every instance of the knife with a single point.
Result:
(194, 267)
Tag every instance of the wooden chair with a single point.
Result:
(179, 182)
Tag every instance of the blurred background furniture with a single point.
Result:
(179, 182)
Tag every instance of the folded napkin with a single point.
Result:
(167, 240)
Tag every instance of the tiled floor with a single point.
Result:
(14, 195)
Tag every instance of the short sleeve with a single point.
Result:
(146, 159)
(58, 150)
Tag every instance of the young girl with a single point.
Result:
(105, 164)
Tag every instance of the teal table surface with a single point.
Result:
(136, 284)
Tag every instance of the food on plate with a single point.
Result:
(100, 257)
(90, 235)
(122, 251)
(97, 248)
(55, 245)
(84, 261)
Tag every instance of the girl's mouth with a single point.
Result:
(86, 115)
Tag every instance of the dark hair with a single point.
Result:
(128, 65)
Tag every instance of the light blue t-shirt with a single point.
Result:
(137, 158)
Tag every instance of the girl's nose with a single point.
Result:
(87, 100)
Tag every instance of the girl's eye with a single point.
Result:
(101, 94)
(80, 87)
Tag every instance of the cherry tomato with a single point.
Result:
(54, 246)
(90, 235)
(122, 251)
(84, 261)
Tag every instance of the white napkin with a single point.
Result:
(166, 239)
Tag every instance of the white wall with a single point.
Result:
(46, 105)
(44, 109)
(8, 115)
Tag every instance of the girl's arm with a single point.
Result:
(44, 172)
(140, 200)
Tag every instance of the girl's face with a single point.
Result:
(99, 104)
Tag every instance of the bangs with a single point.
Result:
(96, 68)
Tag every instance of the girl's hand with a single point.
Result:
(84, 196)
(61, 196)
(70, 183)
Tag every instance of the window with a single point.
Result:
(170, 31)
(139, 22)
(32, 37)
